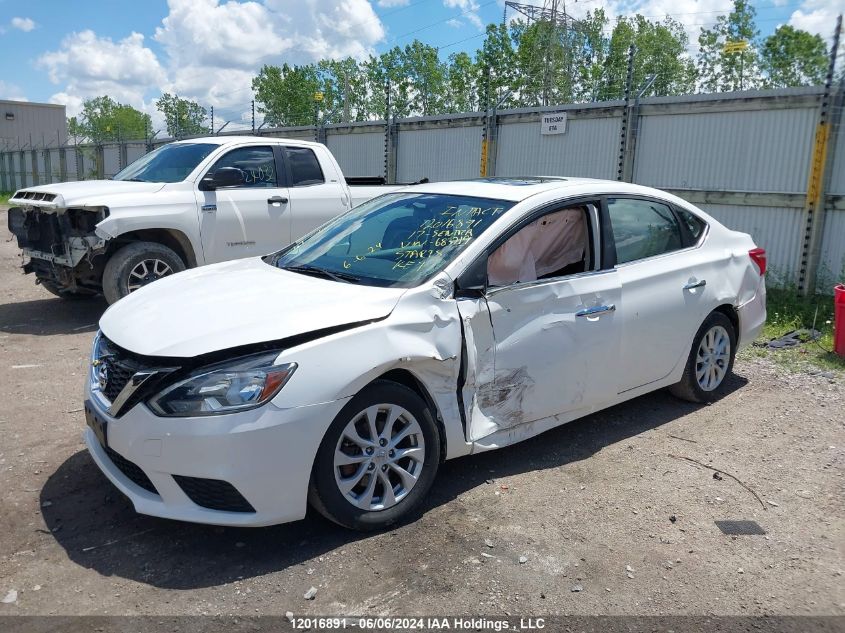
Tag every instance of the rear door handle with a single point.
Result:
(595, 311)
(277, 200)
(695, 284)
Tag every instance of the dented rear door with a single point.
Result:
(553, 349)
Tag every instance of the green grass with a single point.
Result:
(787, 312)
(4, 196)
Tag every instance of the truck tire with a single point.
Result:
(64, 293)
(136, 265)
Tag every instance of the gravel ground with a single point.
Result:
(601, 516)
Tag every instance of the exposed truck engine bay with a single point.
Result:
(62, 244)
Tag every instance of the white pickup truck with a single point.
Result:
(184, 204)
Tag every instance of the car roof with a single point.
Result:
(519, 188)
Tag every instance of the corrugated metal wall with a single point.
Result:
(438, 153)
(588, 149)
(832, 261)
(736, 151)
(358, 153)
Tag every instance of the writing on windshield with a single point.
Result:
(397, 239)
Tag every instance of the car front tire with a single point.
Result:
(710, 361)
(137, 264)
(378, 460)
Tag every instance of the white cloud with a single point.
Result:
(393, 3)
(211, 51)
(23, 24)
(90, 66)
(455, 23)
(469, 10)
(818, 16)
(11, 92)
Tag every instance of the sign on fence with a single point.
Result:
(553, 123)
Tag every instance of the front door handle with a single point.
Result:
(695, 284)
(595, 311)
(277, 200)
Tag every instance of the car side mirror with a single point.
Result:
(223, 177)
(472, 284)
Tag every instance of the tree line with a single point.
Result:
(519, 64)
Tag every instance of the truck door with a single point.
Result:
(250, 219)
(315, 197)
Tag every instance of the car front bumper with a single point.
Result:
(187, 468)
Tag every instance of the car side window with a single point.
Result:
(554, 245)
(304, 167)
(257, 163)
(642, 228)
(694, 224)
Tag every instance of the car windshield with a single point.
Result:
(395, 240)
(168, 163)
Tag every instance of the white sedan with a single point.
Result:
(430, 323)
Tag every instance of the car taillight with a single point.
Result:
(758, 256)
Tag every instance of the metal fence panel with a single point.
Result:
(774, 228)
(359, 153)
(134, 151)
(837, 176)
(832, 262)
(55, 166)
(111, 160)
(756, 150)
(71, 158)
(43, 176)
(589, 149)
(89, 163)
(438, 154)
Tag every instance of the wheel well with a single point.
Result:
(171, 238)
(407, 379)
(730, 312)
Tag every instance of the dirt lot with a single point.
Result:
(588, 506)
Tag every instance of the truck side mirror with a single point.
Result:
(223, 177)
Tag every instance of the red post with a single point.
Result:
(839, 319)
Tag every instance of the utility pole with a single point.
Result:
(253, 116)
(212, 120)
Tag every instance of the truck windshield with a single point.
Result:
(168, 163)
(395, 240)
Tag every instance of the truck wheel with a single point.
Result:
(136, 265)
(64, 293)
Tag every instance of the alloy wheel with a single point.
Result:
(713, 358)
(147, 271)
(379, 457)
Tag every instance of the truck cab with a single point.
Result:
(185, 204)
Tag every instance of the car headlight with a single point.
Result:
(235, 385)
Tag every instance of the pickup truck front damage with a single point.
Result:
(62, 244)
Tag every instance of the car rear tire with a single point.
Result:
(65, 293)
(710, 361)
(378, 460)
(136, 265)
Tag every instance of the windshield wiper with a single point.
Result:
(135, 180)
(320, 272)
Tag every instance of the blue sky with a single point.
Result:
(65, 51)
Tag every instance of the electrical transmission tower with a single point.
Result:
(558, 45)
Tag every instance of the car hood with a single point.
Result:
(237, 303)
(83, 193)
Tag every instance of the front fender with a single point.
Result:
(422, 336)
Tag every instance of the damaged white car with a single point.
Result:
(424, 325)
